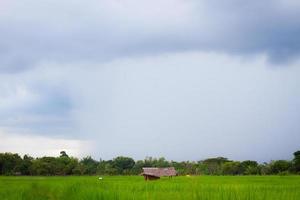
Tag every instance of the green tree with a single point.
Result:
(10, 163)
(26, 165)
(137, 168)
(45, 166)
(232, 168)
(89, 165)
(63, 154)
(250, 167)
(65, 165)
(279, 166)
(123, 165)
(214, 165)
(296, 162)
(110, 169)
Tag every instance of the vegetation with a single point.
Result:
(134, 187)
(13, 164)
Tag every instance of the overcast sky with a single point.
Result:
(183, 79)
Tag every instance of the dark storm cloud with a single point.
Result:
(97, 31)
(261, 27)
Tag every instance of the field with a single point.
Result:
(134, 187)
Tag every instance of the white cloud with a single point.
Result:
(14, 95)
(38, 145)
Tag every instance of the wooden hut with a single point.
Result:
(151, 173)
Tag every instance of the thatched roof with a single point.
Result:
(158, 172)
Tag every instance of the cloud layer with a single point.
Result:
(75, 31)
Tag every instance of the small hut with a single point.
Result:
(151, 173)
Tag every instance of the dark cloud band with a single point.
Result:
(106, 31)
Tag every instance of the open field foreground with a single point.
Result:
(134, 187)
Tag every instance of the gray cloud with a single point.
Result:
(35, 107)
(190, 106)
(62, 31)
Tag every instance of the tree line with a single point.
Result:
(14, 164)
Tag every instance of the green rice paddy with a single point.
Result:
(134, 187)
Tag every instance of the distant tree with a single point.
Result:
(202, 168)
(250, 167)
(180, 167)
(296, 162)
(110, 169)
(214, 165)
(63, 154)
(264, 169)
(89, 165)
(279, 166)
(162, 162)
(66, 165)
(13, 164)
(218, 160)
(45, 166)
(249, 163)
(137, 168)
(232, 168)
(79, 169)
(123, 164)
(149, 162)
(10, 163)
(189, 167)
(101, 167)
(26, 165)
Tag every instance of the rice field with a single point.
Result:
(134, 187)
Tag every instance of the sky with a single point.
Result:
(182, 79)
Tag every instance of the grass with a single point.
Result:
(134, 187)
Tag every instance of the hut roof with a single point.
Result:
(158, 172)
